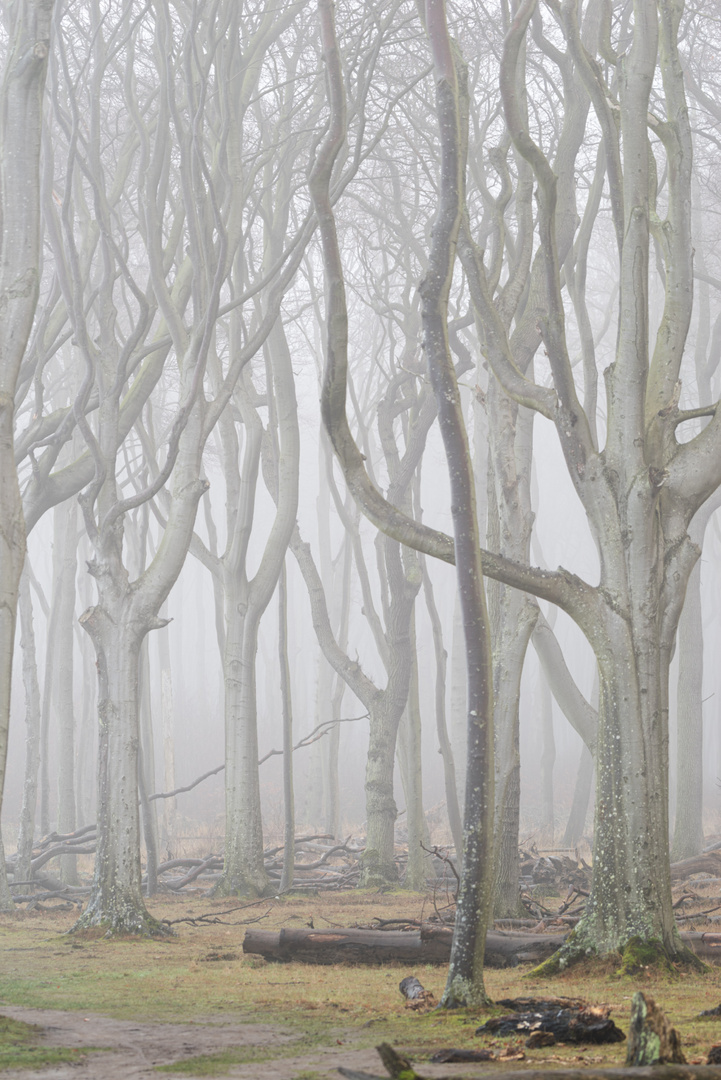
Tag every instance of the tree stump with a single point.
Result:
(651, 1039)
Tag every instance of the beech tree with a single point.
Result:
(142, 262)
(21, 98)
(640, 486)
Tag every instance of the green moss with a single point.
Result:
(639, 955)
(574, 948)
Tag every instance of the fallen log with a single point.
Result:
(432, 945)
(709, 863)
(346, 946)
(400, 1069)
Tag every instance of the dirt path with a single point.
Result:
(132, 1049)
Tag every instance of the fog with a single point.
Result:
(340, 312)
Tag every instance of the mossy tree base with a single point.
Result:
(249, 888)
(376, 873)
(464, 994)
(120, 921)
(634, 956)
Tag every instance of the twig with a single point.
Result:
(317, 733)
(212, 916)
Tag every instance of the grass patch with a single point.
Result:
(172, 981)
(217, 1064)
(18, 1049)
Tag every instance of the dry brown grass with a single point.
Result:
(178, 980)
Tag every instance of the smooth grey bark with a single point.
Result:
(286, 878)
(464, 985)
(21, 100)
(581, 798)
(582, 716)
(26, 830)
(333, 819)
(458, 704)
(624, 488)
(85, 763)
(117, 624)
(198, 252)
(168, 737)
(63, 703)
(400, 572)
(146, 773)
(688, 837)
(544, 702)
(513, 616)
(410, 761)
(444, 741)
(47, 700)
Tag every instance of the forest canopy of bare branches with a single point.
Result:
(360, 452)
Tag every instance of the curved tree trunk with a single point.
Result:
(21, 100)
(688, 826)
(581, 798)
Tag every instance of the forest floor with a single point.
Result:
(195, 1005)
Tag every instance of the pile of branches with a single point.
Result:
(320, 863)
(41, 885)
(552, 874)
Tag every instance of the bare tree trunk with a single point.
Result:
(167, 721)
(26, 832)
(444, 742)
(20, 133)
(52, 638)
(548, 758)
(459, 711)
(63, 698)
(115, 901)
(581, 798)
(243, 867)
(286, 879)
(465, 976)
(688, 828)
(85, 767)
(333, 822)
(146, 772)
(409, 757)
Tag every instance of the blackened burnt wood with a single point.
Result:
(589, 1024)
